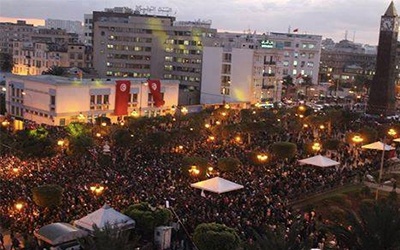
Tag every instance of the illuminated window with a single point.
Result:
(110, 46)
(295, 72)
(168, 58)
(295, 63)
(285, 63)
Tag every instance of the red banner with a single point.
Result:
(122, 91)
(155, 89)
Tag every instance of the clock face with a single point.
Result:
(387, 24)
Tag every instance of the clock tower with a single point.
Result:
(382, 95)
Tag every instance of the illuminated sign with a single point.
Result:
(267, 44)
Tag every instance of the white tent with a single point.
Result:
(102, 217)
(319, 161)
(378, 146)
(217, 185)
(397, 140)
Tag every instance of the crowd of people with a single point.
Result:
(144, 173)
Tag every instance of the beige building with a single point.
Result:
(35, 58)
(10, 32)
(55, 100)
(137, 45)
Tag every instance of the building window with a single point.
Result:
(99, 99)
(226, 69)
(92, 99)
(106, 99)
(227, 57)
(287, 44)
(295, 63)
(62, 122)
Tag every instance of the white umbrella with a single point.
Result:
(217, 185)
(378, 146)
(397, 140)
(319, 161)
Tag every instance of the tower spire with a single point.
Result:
(391, 11)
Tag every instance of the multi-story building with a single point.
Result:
(345, 60)
(56, 100)
(67, 25)
(35, 58)
(88, 29)
(130, 44)
(251, 67)
(10, 32)
(58, 36)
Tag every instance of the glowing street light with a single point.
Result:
(60, 143)
(322, 126)
(316, 146)
(302, 108)
(254, 112)
(238, 139)
(97, 189)
(19, 206)
(223, 113)
(227, 106)
(305, 125)
(184, 110)
(262, 157)
(194, 170)
(15, 170)
(103, 124)
(357, 139)
(301, 116)
(180, 147)
(218, 122)
(207, 125)
(392, 132)
(98, 135)
(5, 123)
(211, 138)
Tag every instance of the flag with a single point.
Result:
(203, 194)
(122, 91)
(296, 30)
(298, 76)
(155, 89)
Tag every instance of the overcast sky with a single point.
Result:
(329, 18)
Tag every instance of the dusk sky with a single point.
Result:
(329, 18)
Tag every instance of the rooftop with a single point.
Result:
(63, 81)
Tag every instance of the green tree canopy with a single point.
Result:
(47, 196)
(284, 150)
(228, 164)
(213, 236)
(35, 143)
(147, 218)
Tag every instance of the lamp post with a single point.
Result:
(140, 97)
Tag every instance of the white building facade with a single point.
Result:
(67, 25)
(251, 68)
(58, 101)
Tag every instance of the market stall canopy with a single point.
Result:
(102, 217)
(319, 161)
(58, 233)
(397, 140)
(217, 185)
(378, 146)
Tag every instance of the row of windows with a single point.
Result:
(128, 48)
(296, 63)
(127, 65)
(183, 51)
(128, 30)
(183, 42)
(128, 57)
(130, 39)
(182, 60)
(302, 54)
(128, 74)
(182, 69)
(182, 78)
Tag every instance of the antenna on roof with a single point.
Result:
(345, 34)
(354, 36)
(289, 29)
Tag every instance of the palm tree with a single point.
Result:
(280, 240)
(287, 83)
(108, 238)
(374, 227)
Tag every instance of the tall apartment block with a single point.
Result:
(251, 67)
(130, 44)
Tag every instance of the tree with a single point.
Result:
(284, 150)
(201, 164)
(122, 138)
(228, 164)
(307, 83)
(213, 236)
(369, 134)
(54, 70)
(80, 145)
(280, 239)
(332, 144)
(375, 226)
(287, 84)
(147, 218)
(7, 63)
(102, 119)
(76, 129)
(108, 238)
(34, 143)
(47, 196)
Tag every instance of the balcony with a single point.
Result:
(270, 63)
(268, 74)
(268, 87)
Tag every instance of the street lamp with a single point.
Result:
(357, 139)
(19, 206)
(322, 126)
(392, 132)
(238, 139)
(103, 124)
(98, 135)
(302, 108)
(60, 143)
(262, 157)
(5, 123)
(194, 170)
(207, 125)
(316, 146)
(184, 110)
(211, 138)
(305, 125)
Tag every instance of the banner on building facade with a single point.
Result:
(155, 90)
(122, 91)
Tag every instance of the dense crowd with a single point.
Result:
(144, 173)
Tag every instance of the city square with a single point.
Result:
(133, 130)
